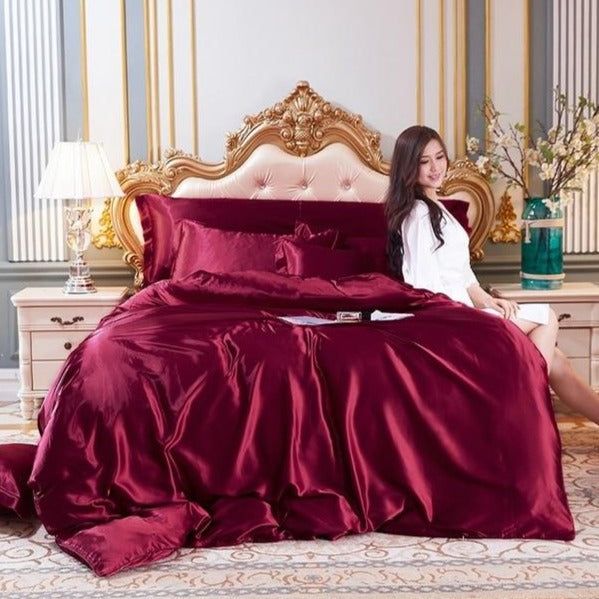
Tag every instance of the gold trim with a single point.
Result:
(463, 176)
(488, 48)
(147, 62)
(526, 43)
(419, 90)
(155, 80)
(194, 78)
(84, 76)
(488, 53)
(459, 78)
(507, 230)
(455, 75)
(125, 74)
(302, 124)
(106, 237)
(442, 68)
(171, 74)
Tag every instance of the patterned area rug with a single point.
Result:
(372, 565)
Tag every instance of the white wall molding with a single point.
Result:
(33, 76)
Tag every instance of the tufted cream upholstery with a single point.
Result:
(334, 173)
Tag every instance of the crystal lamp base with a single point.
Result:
(79, 280)
(78, 238)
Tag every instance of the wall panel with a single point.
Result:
(33, 118)
(576, 72)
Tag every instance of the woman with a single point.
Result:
(429, 249)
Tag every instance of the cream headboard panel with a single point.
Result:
(302, 148)
(334, 173)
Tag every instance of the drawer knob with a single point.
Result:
(563, 316)
(66, 323)
(68, 345)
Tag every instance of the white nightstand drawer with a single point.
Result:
(65, 317)
(569, 313)
(44, 373)
(575, 343)
(50, 345)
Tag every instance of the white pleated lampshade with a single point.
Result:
(78, 170)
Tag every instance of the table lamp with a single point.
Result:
(78, 172)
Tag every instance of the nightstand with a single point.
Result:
(577, 309)
(51, 325)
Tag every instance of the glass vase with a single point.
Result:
(542, 244)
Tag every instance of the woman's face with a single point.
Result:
(433, 166)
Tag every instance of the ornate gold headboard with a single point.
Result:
(302, 125)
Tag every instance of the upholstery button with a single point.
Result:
(262, 185)
(304, 185)
(347, 186)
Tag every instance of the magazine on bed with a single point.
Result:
(343, 318)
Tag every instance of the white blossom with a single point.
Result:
(483, 163)
(563, 157)
(472, 144)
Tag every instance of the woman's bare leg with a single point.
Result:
(571, 389)
(544, 336)
(564, 380)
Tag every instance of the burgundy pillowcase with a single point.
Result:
(373, 249)
(327, 238)
(459, 210)
(161, 214)
(215, 250)
(317, 261)
(16, 463)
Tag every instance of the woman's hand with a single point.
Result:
(481, 299)
(507, 308)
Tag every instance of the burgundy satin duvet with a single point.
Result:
(193, 416)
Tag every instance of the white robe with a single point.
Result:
(444, 270)
(447, 269)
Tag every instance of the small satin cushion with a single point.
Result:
(373, 249)
(327, 238)
(215, 250)
(143, 538)
(16, 463)
(316, 261)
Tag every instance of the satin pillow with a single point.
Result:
(373, 249)
(215, 250)
(316, 261)
(16, 463)
(459, 210)
(327, 238)
(160, 215)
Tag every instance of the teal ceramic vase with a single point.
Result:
(542, 245)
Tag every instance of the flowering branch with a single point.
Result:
(563, 156)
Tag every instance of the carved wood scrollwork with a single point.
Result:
(506, 230)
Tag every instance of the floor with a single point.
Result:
(372, 565)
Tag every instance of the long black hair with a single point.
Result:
(404, 190)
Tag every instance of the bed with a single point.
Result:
(196, 415)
